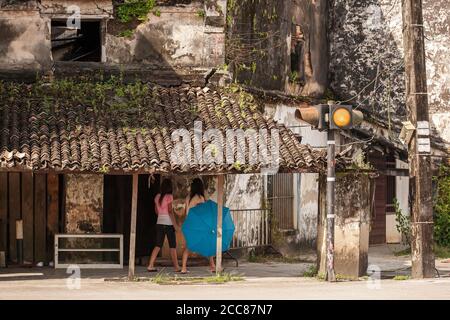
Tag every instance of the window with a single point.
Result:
(70, 44)
(297, 66)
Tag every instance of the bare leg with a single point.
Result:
(173, 254)
(184, 260)
(212, 265)
(151, 263)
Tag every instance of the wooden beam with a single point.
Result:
(14, 213)
(52, 213)
(220, 184)
(28, 217)
(134, 199)
(3, 212)
(40, 217)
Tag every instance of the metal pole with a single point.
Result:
(331, 180)
(220, 183)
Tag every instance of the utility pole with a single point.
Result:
(331, 181)
(419, 152)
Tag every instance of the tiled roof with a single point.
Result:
(55, 134)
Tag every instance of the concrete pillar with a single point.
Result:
(352, 225)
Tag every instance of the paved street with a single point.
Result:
(261, 281)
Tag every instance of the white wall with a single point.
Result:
(306, 190)
(401, 193)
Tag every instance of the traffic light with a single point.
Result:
(315, 116)
(326, 116)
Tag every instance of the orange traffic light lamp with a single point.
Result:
(340, 117)
(326, 116)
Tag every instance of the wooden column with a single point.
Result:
(134, 199)
(28, 217)
(52, 213)
(3, 217)
(419, 152)
(14, 212)
(220, 183)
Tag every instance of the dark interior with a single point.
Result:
(69, 44)
(117, 211)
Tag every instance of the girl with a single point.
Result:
(197, 196)
(165, 225)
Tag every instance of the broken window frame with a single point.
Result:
(101, 19)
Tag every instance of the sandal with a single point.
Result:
(184, 272)
(152, 270)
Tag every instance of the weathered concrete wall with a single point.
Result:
(402, 194)
(241, 192)
(84, 203)
(179, 37)
(24, 40)
(352, 225)
(306, 193)
(189, 36)
(367, 57)
(258, 42)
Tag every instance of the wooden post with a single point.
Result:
(419, 152)
(220, 183)
(133, 227)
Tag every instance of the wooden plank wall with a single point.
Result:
(3, 211)
(34, 198)
(14, 206)
(40, 217)
(28, 217)
(52, 213)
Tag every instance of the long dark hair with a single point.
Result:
(166, 188)
(197, 188)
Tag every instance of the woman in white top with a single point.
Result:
(197, 196)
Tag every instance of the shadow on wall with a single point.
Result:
(366, 55)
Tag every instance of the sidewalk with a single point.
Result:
(261, 281)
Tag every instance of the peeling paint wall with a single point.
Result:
(187, 36)
(367, 61)
(24, 40)
(352, 225)
(242, 191)
(306, 193)
(84, 203)
(179, 37)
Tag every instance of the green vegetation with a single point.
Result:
(441, 218)
(167, 279)
(403, 223)
(442, 208)
(157, 12)
(134, 9)
(401, 277)
(201, 13)
(441, 252)
(311, 272)
(126, 33)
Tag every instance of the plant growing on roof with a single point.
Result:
(134, 9)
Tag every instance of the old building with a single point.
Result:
(178, 55)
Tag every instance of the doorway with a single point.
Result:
(117, 211)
